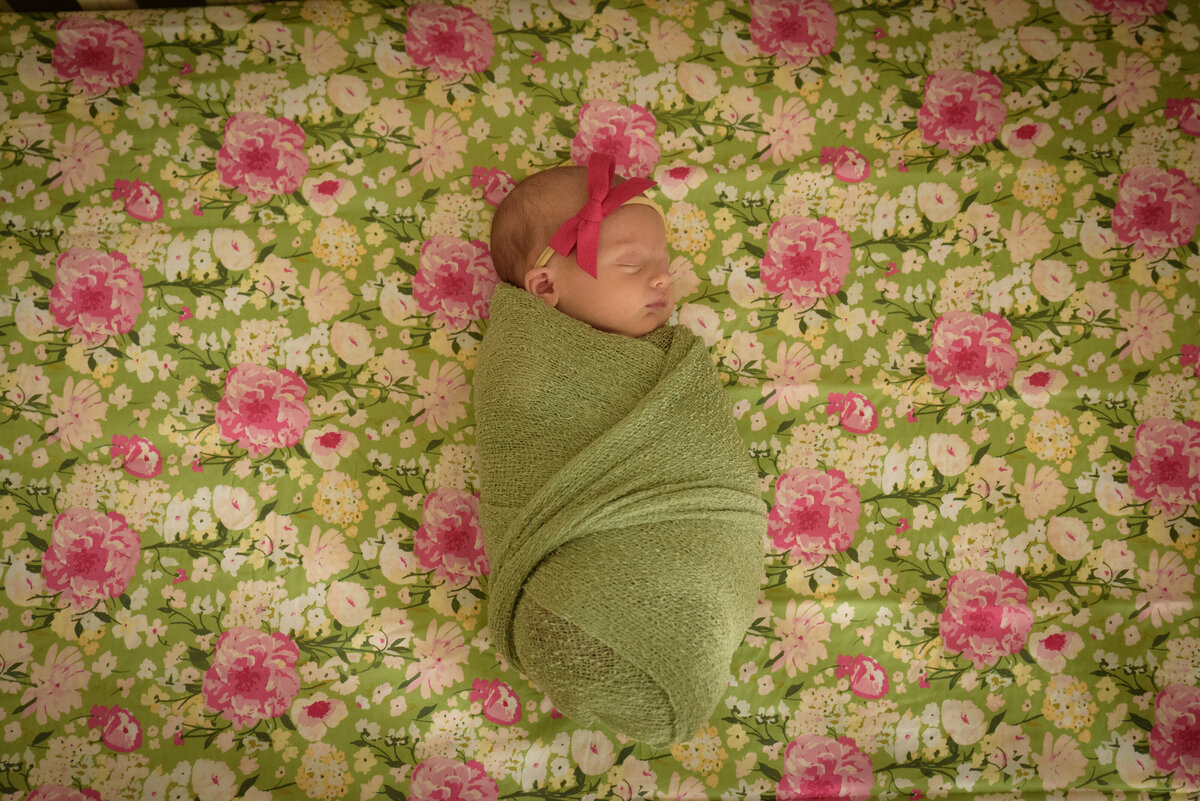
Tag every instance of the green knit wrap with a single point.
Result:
(622, 517)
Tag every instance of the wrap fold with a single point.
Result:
(622, 517)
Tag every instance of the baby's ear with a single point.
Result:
(540, 282)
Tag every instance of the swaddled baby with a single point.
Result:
(621, 513)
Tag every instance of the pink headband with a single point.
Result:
(582, 232)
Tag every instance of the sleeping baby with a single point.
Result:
(621, 512)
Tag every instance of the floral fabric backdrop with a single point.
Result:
(942, 252)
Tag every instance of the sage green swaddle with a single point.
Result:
(621, 514)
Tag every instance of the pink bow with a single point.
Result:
(583, 230)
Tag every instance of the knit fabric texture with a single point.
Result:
(622, 517)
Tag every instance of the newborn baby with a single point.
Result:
(620, 510)
(621, 284)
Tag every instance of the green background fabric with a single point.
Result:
(943, 254)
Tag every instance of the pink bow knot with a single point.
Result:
(581, 233)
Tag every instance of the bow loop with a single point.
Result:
(581, 233)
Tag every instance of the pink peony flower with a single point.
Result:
(455, 280)
(1156, 211)
(1175, 736)
(867, 677)
(438, 659)
(57, 792)
(450, 41)
(819, 768)
(119, 729)
(500, 703)
(1132, 12)
(855, 413)
(142, 201)
(806, 259)
(496, 184)
(849, 166)
(624, 132)
(449, 540)
(96, 294)
(252, 677)
(262, 157)
(986, 616)
(140, 458)
(92, 556)
(96, 55)
(794, 30)
(1187, 111)
(1146, 327)
(316, 715)
(815, 513)
(961, 109)
(1038, 385)
(971, 354)
(263, 409)
(444, 779)
(1165, 468)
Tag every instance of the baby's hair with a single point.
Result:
(530, 214)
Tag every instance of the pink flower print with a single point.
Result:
(971, 354)
(437, 659)
(444, 779)
(92, 556)
(1146, 327)
(96, 294)
(450, 41)
(328, 445)
(848, 164)
(1156, 211)
(819, 768)
(56, 685)
(855, 413)
(119, 729)
(986, 616)
(1186, 110)
(1167, 584)
(1025, 138)
(315, 715)
(141, 459)
(263, 409)
(449, 540)
(57, 792)
(96, 55)
(327, 193)
(1175, 736)
(1132, 12)
(867, 677)
(252, 677)
(796, 31)
(806, 259)
(455, 280)
(802, 633)
(787, 131)
(961, 109)
(1038, 385)
(1054, 648)
(262, 157)
(1165, 468)
(1189, 356)
(496, 184)
(624, 132)
(500, 704)
(815, 513)
(142, 201)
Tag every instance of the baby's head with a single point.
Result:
(631, 292)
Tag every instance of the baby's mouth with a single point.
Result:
(661, 303)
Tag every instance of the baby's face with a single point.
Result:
(631, 293)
